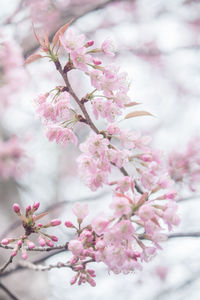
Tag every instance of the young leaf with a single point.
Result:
(59, 32)
(137, 114)
(32, 58)
(41, 216)
(132, 104)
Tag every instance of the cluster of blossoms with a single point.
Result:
(12, 157)
(129, 236)
(57, 115)
(30, 227)
(12, 74)
(143, 206)
(184, 167)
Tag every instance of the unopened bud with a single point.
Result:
(36, 206)
(97, 62)
(50, 243)
(19, 243)
(90, 43)
(54, 238)
(41, 241)
(55, 222)
(16, 208)
(69, 224)
(31, 245)
(6, 241)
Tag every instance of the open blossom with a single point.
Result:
(12, 158)
(143, 209)
(61, 135)
(99, 224)
(29, 222)
(121, 206)
(71, 41)
(184, 166)
(80, 210)
(75, 247)
(108, 47)
(80, 59)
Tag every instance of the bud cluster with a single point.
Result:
(30, 226)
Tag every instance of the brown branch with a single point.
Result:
(8, 292)
(85, 113)
(6, 264)
(39, 249)
(18, 266)
(188, 198)
(184, 234)
(72, 13)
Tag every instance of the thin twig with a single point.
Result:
(85, 113)
(8, 292)
(39, 249)
(184, 234)
(6, 264)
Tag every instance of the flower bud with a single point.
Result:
(28, 208)
(97, 62)
(24, 254)
(19, 243)
(73, 280)
(55, 222)
(16, 208)
(69, 224)
(41, 241)
(6, 241)
(50, 243)
(54, 238)
(36, 206)
(90, 43)
(31, 245)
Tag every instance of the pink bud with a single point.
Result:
(73, 260)
(49, 243)
(54, 238)
(69, 224)
(97, 62)
(73, 280)
(55, 222)
(91, 281)
(16, 208)
(28, 208)
(41, 241)
(90, 43)
(19, 243)
(31, 245)
(91, 272)
(24, 255)
(40, 224)
(5, 242)
(36, 206)
(13, 253)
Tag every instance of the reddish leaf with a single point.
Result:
(137, 114)
(32, 58)
(59, 32)
(132, 104)
(41, 216)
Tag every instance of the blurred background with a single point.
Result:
(158, 45)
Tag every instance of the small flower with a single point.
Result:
(80, 210)
(61, 135)
(55, 222)
(75, 247)
(108, 47)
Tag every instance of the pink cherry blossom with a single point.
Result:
(71, 41)
(108, 47)
(80, 210)
(61, 135)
